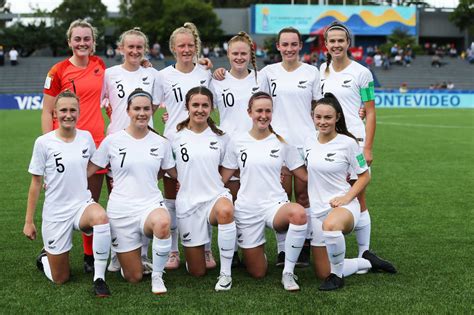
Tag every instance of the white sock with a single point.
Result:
(171, 205)
(207, 246)
(226, 241)
(46, 268)
(336, 247)
(145, 244)
(280, 238)
(101, 248)
(295, 238)
(362, 232)
(354, 265)
(161, 249)
(309, 230)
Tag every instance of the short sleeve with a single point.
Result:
(91, 144)
(356, 158)
(230, 157)
(225, 141)
(367, 86)
(263, 81)
(38, 159)
(293, 158)
(101, 157)
(52, 84)
(168, 160)
(157, 88)
(316, 91)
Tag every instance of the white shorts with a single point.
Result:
(317, 220)
(251, 231)
(193, 229)
(57, 235)
(127, 232)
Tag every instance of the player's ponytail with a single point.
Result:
(331, 100)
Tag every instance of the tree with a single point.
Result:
(94, 11)
(463, 15)
(158, 18)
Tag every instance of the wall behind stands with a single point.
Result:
(383, 99)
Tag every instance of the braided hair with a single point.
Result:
(245, 38)
(187, 28)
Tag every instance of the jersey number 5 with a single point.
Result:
(59, 166)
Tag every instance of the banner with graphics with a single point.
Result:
(424, 99)
(383, 99)
(312, 19)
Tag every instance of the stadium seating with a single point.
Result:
(29, 75)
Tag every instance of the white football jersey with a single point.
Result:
(198, 157)
(64, 167)
(292, 93)
(351, 86)
(176, 85)
(135, 164)
(231, 97)
(328, 165)
(119, 83)
(260, 163)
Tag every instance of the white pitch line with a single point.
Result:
(423, 125)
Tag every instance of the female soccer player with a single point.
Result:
(119, 82)
(261, 201)
(136, 155)
(83, 74)
(293, 85)
(178, 79)
(335, 209)
(61, 157)
(202, 199)
(232, 95)
(353, 85)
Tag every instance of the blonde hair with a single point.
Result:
(84, 24)
(245, 38)
(134, 31)
(187, 28)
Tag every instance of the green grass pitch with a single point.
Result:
(421, 203)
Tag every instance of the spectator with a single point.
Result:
(2, 57)
(407, 58)
(370, 51)
(385, 62)
(436, 61)
(450, 85)
(369, 61)
(453, 53)
(13, 54)
(403, 87)
(110, 52)
(378, 59)
(205, 51)
(398, 60)
(394, 51)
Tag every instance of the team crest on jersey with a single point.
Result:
(203, 81)
(186, 237)
(212, 145)
(144, 81)
(302, 84)
(114, 242)
(345, 83)
(274, 152)
(153, 151)
(255, 89)
(97, 71)
(84, 153)
(328, 157)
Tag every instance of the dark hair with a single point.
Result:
(263, 95)
(206, 92)
(289, 30)
(336, 25)
(64, 94)
(140, 92)
(331, 100)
